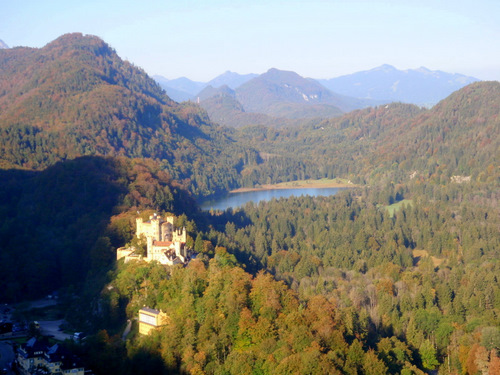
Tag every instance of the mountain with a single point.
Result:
(287, 94)
(76, 97)
(177, 95)
(211, 91)
(231, 79)
(223, 108)
(3, 45)
(418, 86)
(180, 89)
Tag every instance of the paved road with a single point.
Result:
(127, 329)
(51, 327)
(44, 302)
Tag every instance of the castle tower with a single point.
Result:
(155, 227)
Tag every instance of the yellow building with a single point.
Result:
(150, 319)
(30, 356)
(35, 356)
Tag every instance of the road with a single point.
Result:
(127, 329)
(51, 327)
(44, 302)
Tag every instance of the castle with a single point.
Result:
(165, 243)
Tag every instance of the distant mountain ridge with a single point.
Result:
(182, 89)
(274, 91)
(385, 83)
(3, 45)
(223, 108)
(279, 95)
(231, 79)
(416, 86)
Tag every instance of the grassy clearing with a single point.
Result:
(397, 206)
(419, 254)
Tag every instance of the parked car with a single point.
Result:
(78, 336)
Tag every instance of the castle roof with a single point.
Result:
(150, 310)
(162, 243)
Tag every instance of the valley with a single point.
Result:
(398, 273)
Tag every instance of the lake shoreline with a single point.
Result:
(314, 184)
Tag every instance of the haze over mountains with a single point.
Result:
(417, 86)
(384, 83)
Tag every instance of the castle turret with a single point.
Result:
(155, 227)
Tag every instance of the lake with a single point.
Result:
(234, 200)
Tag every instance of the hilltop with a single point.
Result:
(76, 96)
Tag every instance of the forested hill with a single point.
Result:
(75, 96)
(63, 224)
(457, 137)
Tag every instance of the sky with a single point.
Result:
(318, 38)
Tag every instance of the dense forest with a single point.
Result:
(393, 142)
(76, 97)
(63, 224)
(399, 275)
(396, 280)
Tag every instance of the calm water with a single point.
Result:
(235, 200)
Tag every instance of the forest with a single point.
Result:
(399, 275)
(339, 284)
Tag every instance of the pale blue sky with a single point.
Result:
(319, 38)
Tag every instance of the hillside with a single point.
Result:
(223, 108)
(76, 97)
(57, 227)
(456, 137)
(417, 86)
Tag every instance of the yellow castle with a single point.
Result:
(165, 243)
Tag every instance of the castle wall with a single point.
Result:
(123, 252)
